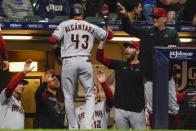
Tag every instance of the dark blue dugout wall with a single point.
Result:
(162, 57)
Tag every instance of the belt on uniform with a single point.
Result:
(88, 60)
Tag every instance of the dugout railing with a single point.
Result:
(162, 58)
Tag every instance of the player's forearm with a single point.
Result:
(3, 48)
(180, 97)
(100, 57)
(109, 34)
(108, 93)
(101, 45)
(130, 29)
(13, 83)
(39, 91)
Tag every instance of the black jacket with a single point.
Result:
(129, 91)
(129, 87)
(150, 37)
(49, 113)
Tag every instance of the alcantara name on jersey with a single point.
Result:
(79, 27)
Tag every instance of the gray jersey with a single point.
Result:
(100, 116)
(11, 113)
(77, 37)
(173, 106)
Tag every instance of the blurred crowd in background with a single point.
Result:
(139, 10)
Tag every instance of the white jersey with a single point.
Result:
(100, 116)
(11, 113)
(77, 37)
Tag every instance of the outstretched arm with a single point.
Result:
(127, 26)
(38, 94)
(108, 93)
(100, 54)
(17, 78)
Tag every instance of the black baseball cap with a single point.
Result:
(23, 82)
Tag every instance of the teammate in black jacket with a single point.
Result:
(129, 88)
(50, 111)
(158, 35)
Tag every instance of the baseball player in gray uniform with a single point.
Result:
(11, 110)
(102, 108)
(77, 38)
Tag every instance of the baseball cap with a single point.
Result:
(23, 82)
(77, 9)
(159, 12)
(134, 44)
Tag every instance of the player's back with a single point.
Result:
(78, 37)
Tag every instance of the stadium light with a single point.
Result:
(18, 66)
(186, 40)
(15, 37)
(183, 40)
(125, 39)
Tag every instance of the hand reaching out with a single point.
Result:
(101, 76)
(5, 65)
(109, 28)
(49, 76)
(122, 9)
(27, 67)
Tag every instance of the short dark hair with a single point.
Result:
(131, 4)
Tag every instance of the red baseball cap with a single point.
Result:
(134, 44)
(159, 12)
